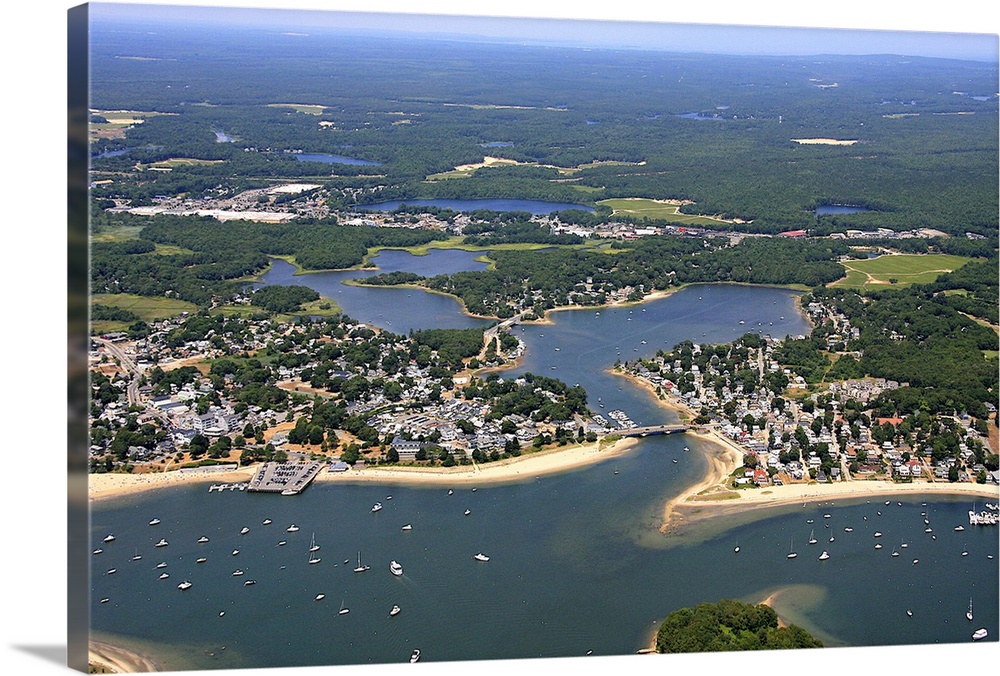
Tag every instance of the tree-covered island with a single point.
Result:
(729, 625)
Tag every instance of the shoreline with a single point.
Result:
(117, 660)
(711, 497)
(522, 468)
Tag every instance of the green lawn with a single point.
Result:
(905, 269)
(147, 308)
(646, 208)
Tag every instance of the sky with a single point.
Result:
(34, 220)
(649, 30)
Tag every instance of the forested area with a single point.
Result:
(219, 253)
(729, 625)
(925, 129)
(555, 277)
(912, 336)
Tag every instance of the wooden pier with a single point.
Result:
(287, 478)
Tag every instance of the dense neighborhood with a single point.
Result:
(837, 433)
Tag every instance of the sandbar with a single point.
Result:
(107, 658)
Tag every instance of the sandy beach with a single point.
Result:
(523, 468)
(108, 659)
(101, 486)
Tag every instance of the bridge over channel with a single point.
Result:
(652, 430)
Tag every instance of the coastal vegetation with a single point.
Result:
(729, 625)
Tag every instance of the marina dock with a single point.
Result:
(287, 478)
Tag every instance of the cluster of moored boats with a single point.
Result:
(395, 568)
(980, 633)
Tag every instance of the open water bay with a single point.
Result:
(576, 563)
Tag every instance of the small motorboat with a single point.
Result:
(481, 557)
(415, 655)
(395, 611)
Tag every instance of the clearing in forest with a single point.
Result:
(898, 269)
(666, 210)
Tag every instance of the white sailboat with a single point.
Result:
(791, 554)
(812, 537)
(312, 551)
(968, 615)
(360, 568)
(343, 610)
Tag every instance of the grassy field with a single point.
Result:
(905, 269)
(147, 308)
(468, 170)
(646, 208)
(308, 108)
(117, 122)
(181, 162)
(457, 243)
(117, 234)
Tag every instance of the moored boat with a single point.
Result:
(395, 568)
(481, 557)
(395, 611)
(979, 634)
(415, 655)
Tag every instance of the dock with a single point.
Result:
(287, 478)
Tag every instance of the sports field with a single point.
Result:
(898, 270)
